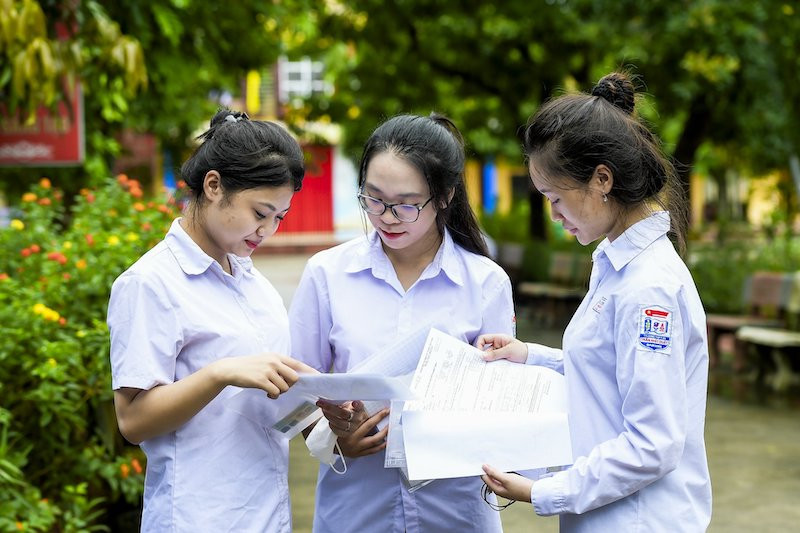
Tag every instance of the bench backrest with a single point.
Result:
(770, 293)
(570, 269)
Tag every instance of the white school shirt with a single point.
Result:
(635, 358)
(172, 313)
(348, 305)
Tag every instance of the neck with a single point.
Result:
(194, 227)
(409, 262)
(628, 219)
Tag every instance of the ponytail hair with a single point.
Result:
(246, 153)
(573, 134)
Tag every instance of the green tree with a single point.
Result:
(715, 71)
(152, 66)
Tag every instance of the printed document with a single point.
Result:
(510, 415)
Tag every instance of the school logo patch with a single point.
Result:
(655, 328)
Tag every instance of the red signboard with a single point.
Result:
(52, 140)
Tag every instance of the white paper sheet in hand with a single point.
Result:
(295, 409)
(509, 415)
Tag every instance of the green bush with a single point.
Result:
(63, 464)
(719, 271)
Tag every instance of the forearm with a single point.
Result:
(165, 408)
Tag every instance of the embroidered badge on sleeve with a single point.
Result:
(655, 328)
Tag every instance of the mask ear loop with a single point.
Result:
(344, 463)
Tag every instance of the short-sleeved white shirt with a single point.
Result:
(635, 357)
(349, 304)
(172, 313)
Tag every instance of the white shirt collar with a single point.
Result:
(633, 240)
(372, 256)
(193, 260)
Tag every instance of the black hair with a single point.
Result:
(573, 134)
(246, 153)
(434, 146)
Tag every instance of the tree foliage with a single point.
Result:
(713, 70)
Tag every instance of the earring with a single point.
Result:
(605, 198)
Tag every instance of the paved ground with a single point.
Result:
(752, 438)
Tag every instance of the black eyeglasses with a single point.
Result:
(402, 212)
(486, 491)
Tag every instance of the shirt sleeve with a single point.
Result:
(498, 308)
(310, 320)
(651, 380)
(145, 334)
(539, 354)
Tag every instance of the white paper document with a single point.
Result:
(509, 415)
(295, 409)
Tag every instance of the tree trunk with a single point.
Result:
(694, 133)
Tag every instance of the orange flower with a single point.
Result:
(62, 321)
(35, 248)
(29, 197)
(136, 466)
(20, 526)
(124, 470)
(136, 192)
(66, 275)
(122, 179)
(3, 276)
(80, 264)
(45, 201)
(90, 198)
(163, 208)
(45, 183)
(89, 239)
(26, 252)
(139, 206)
(147, 226)
(84, 191)
(181, 184)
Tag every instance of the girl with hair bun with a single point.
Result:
(191, 317)
(635, 355)
(424, 264)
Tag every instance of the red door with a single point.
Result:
(312, 207)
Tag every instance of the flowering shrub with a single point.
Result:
(63, 464)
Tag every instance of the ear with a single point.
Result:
(444, 204)
(212, 186)
(603, 178)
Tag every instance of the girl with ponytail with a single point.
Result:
(635, 355)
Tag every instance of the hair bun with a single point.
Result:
(617, 89)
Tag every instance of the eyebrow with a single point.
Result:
(402, 195)
(271, 207)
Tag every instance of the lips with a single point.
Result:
(251, 244)
(392, 236)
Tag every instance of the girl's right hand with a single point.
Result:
(500, 346)
(271, 372)
(357, 431)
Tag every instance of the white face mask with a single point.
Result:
(321, 442)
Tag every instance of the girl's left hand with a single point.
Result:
(509, 486)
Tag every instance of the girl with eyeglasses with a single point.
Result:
(425, 263)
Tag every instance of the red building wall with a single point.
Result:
(312, 207)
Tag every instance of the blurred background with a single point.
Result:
(101, 101)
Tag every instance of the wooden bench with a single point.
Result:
(762, 297)
(554, 301)
(781, 343)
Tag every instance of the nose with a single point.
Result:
(387, 217)
(555, 214)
